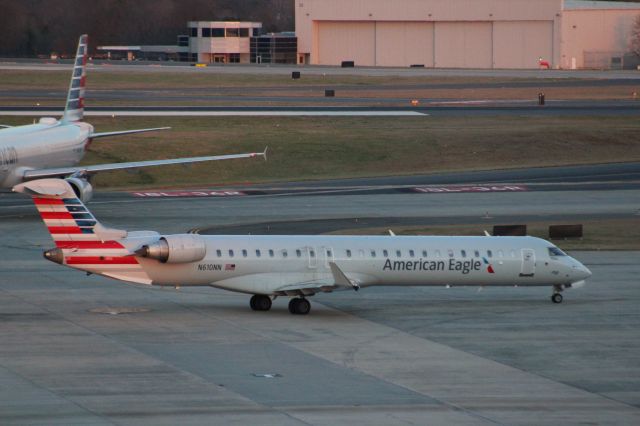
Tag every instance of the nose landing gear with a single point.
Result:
(556, 297)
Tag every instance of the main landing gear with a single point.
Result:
(260, 302)
(556, 297)
(297, 305)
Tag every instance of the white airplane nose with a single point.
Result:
(581, 272)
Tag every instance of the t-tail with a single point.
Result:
(81, 241)
(74, 109)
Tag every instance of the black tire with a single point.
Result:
(556, 298)
(252, 302)
(293, 306)
(263, 303)
(303, 307)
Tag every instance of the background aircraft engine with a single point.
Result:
(82, 188)
(175, 249)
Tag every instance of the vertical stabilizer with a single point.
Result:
(74, 109)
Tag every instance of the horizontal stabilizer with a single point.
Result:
(125, 132)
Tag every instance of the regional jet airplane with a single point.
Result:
(293, 266)
(53, 148)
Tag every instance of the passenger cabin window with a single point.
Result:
(385, 253)
(258, 253)
(424, 253)
(298, 253)
(219, 253)
(244, 253)
(412, 253)
(230, 253)
(373, 253)
(329, 254)
(312, 254)
(450, 252)
(437, 253)
(489, 253)
(348, 253)
(476, 253)
(555, 251)
(463, 253)
(271, 253)
(284, 253)
(398, 253)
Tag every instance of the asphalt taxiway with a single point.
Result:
(88, 350)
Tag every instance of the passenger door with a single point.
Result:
(528, 263)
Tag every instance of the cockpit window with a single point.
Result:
(555, 251)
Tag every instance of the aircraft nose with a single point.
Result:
(580, 271)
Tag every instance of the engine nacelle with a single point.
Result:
(82, 188)
(184, 248)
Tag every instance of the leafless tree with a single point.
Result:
(635, 36)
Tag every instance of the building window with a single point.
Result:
(194, 32)
(234, 58)
(233, 32)
(206, 32)
(256, 32)
(217, 32)
(244, 32)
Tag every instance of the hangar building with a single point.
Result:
(462, 33)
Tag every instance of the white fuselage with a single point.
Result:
(269, 264)
(49, 143)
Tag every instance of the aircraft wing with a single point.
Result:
(338, 281)
(4, 126)
(89, 170)
(125, 132)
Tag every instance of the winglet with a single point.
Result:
(391, 233)
(341, 279)
(486, 234)
(264, 153)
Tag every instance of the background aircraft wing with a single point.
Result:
(125, 132)
(89, 170)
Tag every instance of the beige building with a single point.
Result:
(460, 33)
(221, 41)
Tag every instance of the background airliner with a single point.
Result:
(53, 148)
(294, 266)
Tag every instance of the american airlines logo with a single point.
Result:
(462, 266)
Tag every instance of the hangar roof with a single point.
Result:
(591, 5)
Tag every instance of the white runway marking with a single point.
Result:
(319, 113)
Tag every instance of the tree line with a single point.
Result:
(39, 27)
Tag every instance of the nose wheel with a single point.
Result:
(299, 306)
(556, 297)
(260, 302)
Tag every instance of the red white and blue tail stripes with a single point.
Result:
(74, 109)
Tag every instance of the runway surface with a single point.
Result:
(87, 350)
(272, 69)
(491, 108)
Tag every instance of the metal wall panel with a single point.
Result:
(346, 41)
(521, 44)
(463, 45)
(404, 44)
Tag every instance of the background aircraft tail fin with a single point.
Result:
(74, 109)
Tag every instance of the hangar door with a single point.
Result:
(404, 44)
(521, 44)
(463, 45)
(346, 41)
